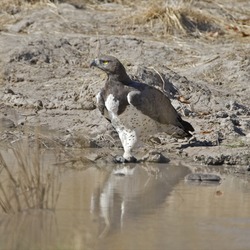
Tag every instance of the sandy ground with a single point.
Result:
(46, 82)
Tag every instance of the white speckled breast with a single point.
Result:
(131, 121)
(112, 106)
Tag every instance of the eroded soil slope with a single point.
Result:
(199, 55)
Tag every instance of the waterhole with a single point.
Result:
(138, 206)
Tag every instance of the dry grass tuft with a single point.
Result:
(27, 182)
(181, 18)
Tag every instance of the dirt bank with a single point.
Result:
(201, 61)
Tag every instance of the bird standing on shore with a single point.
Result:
(136, 110)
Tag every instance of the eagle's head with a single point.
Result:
(109, 64)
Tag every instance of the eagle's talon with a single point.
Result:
(121, 159)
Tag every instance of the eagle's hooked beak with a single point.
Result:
(94, 63)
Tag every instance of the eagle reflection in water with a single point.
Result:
(131, 191)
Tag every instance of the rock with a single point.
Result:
(38, 104)
(9, 91)
(156, 157)
(201, 177)
(221, 114)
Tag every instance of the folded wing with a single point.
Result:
(156, 105)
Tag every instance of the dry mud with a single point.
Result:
(46, 82)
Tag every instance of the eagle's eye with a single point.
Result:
(105, 62)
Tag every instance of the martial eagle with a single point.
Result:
(136, 110)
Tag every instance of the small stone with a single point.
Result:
(155, 157)
(187, 112)
(9, 91)
(221, 114)
(39, 104)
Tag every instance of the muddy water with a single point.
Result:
(147, 207)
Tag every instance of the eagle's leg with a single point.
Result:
(128, 139)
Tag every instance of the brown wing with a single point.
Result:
(156, 105)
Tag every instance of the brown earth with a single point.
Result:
(198, 53)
